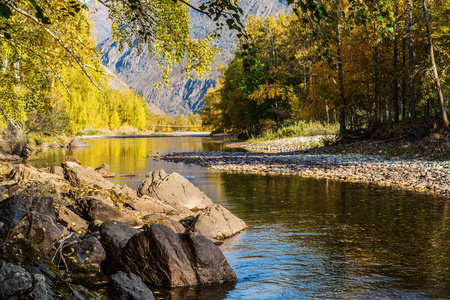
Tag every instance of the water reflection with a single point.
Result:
(325, 239)
(307, 238)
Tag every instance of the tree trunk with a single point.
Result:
(427, 80)
(341, 86)
(404, 80)
(395, 96)
(377, 87)
(434, 67)
(411, 63)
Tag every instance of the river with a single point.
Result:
(307, 238)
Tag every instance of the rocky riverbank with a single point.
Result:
(284, 145)
(68, 233)
(411, 174)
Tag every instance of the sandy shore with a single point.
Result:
(411, 174)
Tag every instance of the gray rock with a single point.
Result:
(217, 222)
(96, 210)
(174, 190)
(127, 286)
(114, 237)
(47, 282)
(14, 208)
(17, 283)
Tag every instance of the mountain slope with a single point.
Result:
(141, 72)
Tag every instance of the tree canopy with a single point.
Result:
(160, 25)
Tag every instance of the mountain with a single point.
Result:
(141, 72)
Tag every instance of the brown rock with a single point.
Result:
(80, 176)
(147, 205)
(77, 144)
(71, 220)
(94, 209)
(21, 172)
(105, 171)
(39, 228)
(217, 222)
(170, 221)
(174, 190)
(72, 159)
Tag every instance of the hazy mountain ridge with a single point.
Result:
(141, 72)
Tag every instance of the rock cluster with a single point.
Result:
(65, 229)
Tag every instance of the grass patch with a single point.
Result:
(37, 139)
(300, 128)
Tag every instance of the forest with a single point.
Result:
(361, 66)
(356, 64)
(52, 79)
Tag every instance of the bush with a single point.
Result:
(299, 128)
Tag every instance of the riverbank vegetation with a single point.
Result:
(364, 69)
(49, 93)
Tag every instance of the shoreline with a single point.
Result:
(152, 134)
(419, 175)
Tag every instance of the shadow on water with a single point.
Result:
(216, 291)
(307, 238)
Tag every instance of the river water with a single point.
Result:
(307, 238)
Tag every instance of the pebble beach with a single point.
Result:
(292, 157)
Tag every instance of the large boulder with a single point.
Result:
(39, 228)
(147, 205)
(96, 210)
(127, 286)
(14, 208)
(217, 222)
(114, 236)
(80, 176)
(163, 258)
(174, 190)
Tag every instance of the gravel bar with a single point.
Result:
(411, 174)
